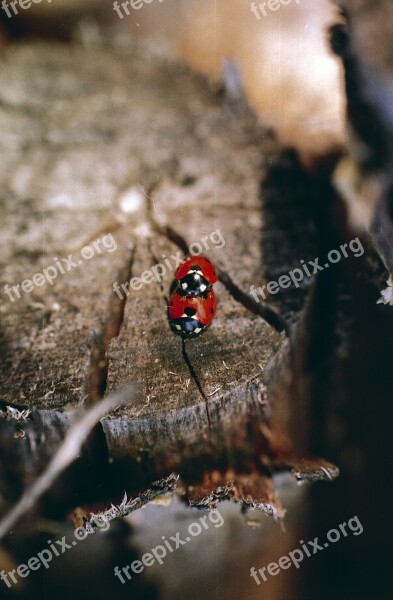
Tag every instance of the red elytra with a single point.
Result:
(190, 315)
(197, 264)
(205, 307)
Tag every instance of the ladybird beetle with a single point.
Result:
(190, 315)
(195, 276)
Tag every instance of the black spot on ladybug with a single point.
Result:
(192, 298)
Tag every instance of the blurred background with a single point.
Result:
(289, 74)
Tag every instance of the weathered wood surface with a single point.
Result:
(118, 142)
(75, 141)
(87, 136)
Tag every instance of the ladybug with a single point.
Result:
(195, 276)
(190, 315)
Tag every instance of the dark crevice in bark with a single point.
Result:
(97, 375)
(261, 309)
(155, 261)
(288, 231)
(194, 377)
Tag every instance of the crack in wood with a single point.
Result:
(155, 261)
(97, 375)
(262, 309)
(195, 377)
(185, 356)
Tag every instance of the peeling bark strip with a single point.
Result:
(252, 491)
(240, 451)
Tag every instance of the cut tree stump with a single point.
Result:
(117, 144)
(116, 140)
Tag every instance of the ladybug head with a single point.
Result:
(187, 325)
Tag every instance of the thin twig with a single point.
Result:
(65, 455)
